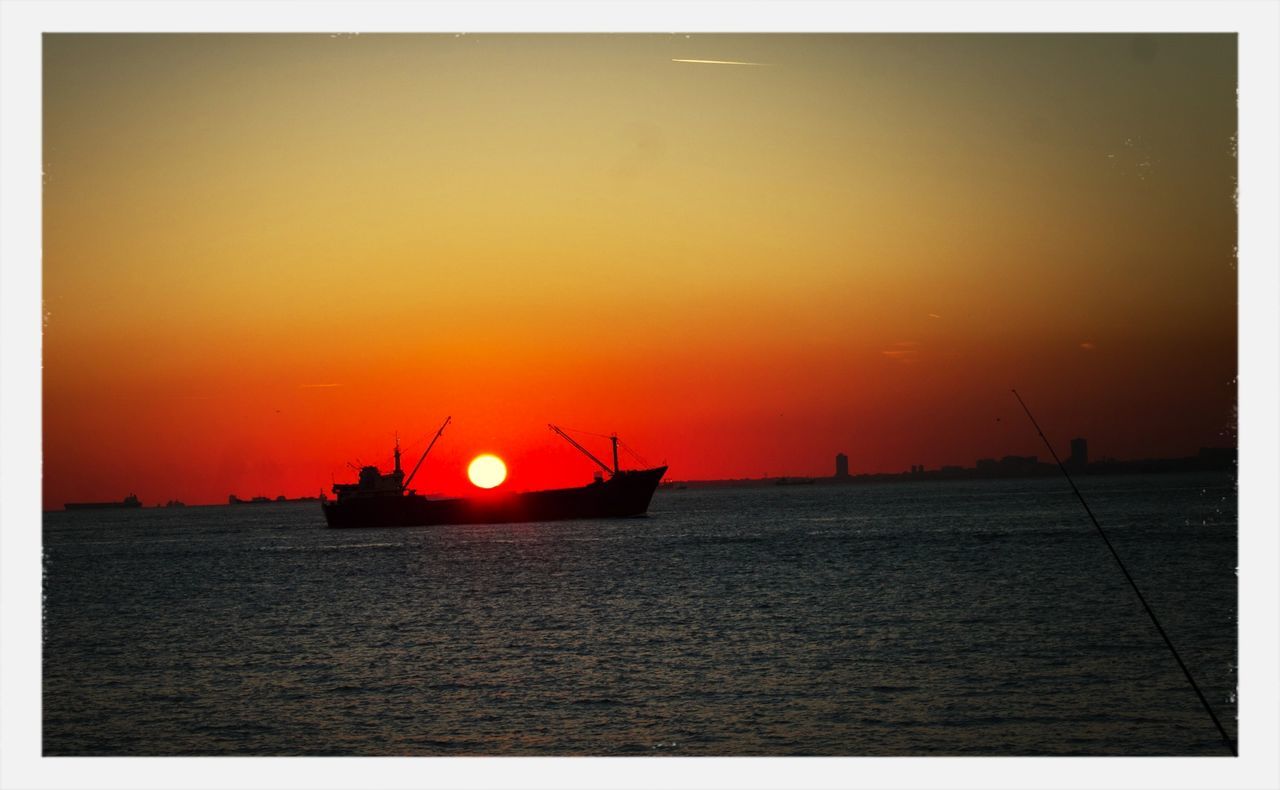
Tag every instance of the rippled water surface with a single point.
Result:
(898, 619)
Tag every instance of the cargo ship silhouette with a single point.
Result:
(385, 500)
(130, 501)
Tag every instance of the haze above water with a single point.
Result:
(904, 619)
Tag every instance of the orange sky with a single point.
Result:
(266, 255)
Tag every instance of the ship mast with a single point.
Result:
(588, 453)
(405, 485)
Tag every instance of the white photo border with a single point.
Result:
(23, 23)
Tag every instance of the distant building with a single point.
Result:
(1008, 466)
(842, 465)
(1079, 453)
(1012, 463)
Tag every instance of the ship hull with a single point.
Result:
(101, 505)
(626, 494)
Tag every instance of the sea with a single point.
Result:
(904, 618)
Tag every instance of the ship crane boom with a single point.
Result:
(405, 486)
(588, 453)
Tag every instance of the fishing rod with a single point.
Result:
(1168, 643)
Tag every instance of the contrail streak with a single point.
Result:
(719, 62)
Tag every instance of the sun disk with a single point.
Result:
(487, 471)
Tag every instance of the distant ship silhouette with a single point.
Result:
(262, 500)
(129, 501)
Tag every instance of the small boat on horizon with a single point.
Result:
(128, 502)
(385, 500)
(263, 500)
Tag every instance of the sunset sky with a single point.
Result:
(265, 255)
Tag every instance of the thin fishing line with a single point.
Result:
(1168, 643)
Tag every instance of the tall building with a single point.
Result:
(1079, 453)
(842, 465)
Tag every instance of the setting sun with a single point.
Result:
(487, 471)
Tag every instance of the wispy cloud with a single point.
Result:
(719, 62)
(934, 315)
(317, 386)
(903, 350)
(1088, 345)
